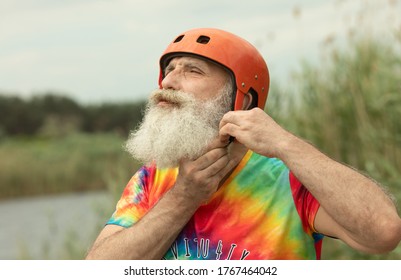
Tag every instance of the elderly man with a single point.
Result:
(222, 180)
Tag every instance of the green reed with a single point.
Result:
(77, 162)
(349, 106)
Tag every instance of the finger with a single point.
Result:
(210, 157)
(233, 117)
(216, 167)
(228, 130)
(224, 137)
(217, 143)
(227, 166)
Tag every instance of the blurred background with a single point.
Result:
(75, 75)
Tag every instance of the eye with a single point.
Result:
(195, 70)
(168, 69)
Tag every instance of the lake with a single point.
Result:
(52, 227)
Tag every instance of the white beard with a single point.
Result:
(171, 133)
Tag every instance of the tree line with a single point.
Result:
(52, 114)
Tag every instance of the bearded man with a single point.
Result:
(222, 180)
(177, 126)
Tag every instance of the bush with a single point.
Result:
(350, 108)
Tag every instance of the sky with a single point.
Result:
(108, 50)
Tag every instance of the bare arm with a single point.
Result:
(151, 236)
(353, 207)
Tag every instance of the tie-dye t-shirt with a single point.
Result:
(261, 212)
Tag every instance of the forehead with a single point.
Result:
(197, 61)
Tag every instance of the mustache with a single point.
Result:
(175, 97)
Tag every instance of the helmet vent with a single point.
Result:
(179, 38)
(203, 39)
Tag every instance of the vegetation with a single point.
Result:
(51, 114)
(78, 162)
(349, 107)
(51, 144)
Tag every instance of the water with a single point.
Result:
(52, 227)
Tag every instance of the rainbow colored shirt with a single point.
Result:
(261, 212)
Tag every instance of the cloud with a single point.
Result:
(108, 50)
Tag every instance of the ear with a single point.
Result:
(247, 102)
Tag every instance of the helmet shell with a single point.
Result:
(242, 59)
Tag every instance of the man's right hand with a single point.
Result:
(199, 179)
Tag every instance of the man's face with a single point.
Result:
(193, 75)
(181, 120)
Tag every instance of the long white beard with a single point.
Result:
(170, 133)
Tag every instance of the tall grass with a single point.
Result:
(349, 106)
(77, 162)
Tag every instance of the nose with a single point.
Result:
(171, 81)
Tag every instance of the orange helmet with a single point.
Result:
(244, 62)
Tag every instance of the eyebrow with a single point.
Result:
(187, 65)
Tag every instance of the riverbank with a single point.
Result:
(52, 226)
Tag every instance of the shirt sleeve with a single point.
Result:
(306, 204)
(133, 203)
